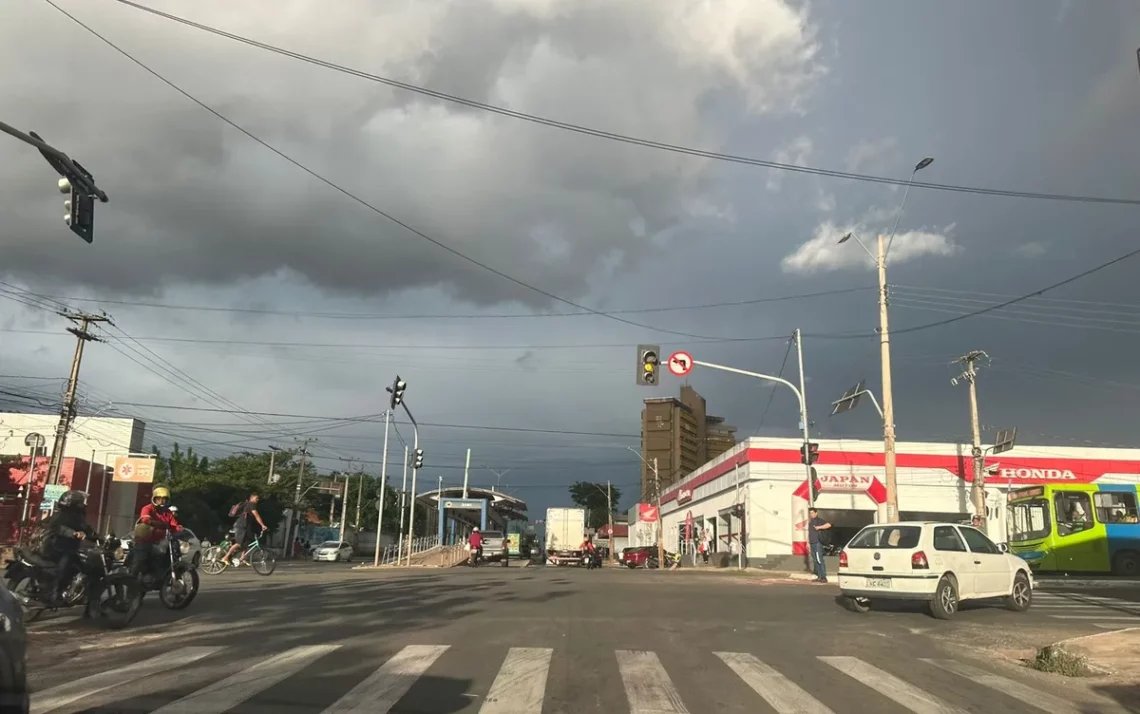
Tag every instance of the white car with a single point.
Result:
(333, 551)
(940, 563)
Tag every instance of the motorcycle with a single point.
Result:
(593, 559)
(110, 596)
(474, 555)
(176, 581)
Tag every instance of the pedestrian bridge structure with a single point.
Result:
(460, 510)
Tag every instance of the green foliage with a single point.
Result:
(205, 490)
(592, 497)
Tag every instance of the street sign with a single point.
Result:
(52, 492)
(680, 363)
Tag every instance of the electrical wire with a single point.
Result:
(348, 194)
(612, 136)
(772, 393)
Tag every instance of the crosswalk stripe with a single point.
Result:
(890, 686)
(1102, 618)
(65, 694)
(1029, 695)
(388, 684)
(647, 685)
(782, 694)
(235, 689)
(520, 685)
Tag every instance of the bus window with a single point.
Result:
(1028, 520)
(1073, 510)
(1115, 507)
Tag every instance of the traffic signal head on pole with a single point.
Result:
(79, 210)
(809, 453)
(397, 392)
(648, 364)
(419, 461)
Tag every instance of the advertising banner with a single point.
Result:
(134, 469)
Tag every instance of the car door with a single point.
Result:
(950, 547)
(993, 575)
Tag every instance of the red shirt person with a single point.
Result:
(159, 517)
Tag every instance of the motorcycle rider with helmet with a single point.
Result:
(64, 531)
(155, 519)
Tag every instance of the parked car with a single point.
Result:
(940, 563)
(638, 556)
(333, 551)
(189, 543)
(13, 655)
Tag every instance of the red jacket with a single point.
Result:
(160, 520)
(475, 540)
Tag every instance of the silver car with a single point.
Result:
(13, 655)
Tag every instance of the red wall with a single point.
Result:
(74, 473)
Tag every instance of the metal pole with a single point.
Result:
(803, 418)
(403, 495)
(272, 462)
(332, 501)
(888, 393)
(295, 517)
(610, 508)
(466, 470)
(439, 507)
(412, 495)
(383, 487)
(359, 500)
(978, 492)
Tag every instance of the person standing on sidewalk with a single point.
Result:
(817, 538)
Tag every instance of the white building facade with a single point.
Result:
(755, 496)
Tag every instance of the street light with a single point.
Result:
(880, 260)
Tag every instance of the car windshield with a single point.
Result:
(1028, 520)
(329, 544)
(887, 537)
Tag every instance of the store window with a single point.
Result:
(1115, 507)
(1073, 511)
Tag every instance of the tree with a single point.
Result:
(592, 497)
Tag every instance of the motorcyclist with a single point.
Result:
(64, 531)
(476, 544)
(155, 520)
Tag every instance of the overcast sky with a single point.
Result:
(304, 301)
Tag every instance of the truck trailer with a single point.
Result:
(565, 530)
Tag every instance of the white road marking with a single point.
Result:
(647, 685)
(782, 694)
(233, 690)
(520, 686)
(1102, 618)
(65, 694)
(890, 686)
(1021, 692)
(388, 684)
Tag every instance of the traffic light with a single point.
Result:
(809, 453)
(80, 210)
(814, 485)
(419, 462)
(648, 364)
(397, 392)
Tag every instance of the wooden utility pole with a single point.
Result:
(67, 411)
(660, 537)
(978, 491)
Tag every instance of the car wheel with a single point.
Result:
(858, 604)
(631, 566)
(945, 601)
(1021, 597)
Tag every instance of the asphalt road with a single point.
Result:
(324, 638)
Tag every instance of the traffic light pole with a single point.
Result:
(415, 472)
(804, 418)
(383, 488)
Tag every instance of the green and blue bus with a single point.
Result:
(1076, 528)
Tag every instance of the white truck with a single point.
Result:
(565, 531)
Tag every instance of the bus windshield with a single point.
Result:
(1028, 520)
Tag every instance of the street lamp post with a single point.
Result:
(657, 488)
(880, 260)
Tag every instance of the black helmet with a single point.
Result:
(72, 500)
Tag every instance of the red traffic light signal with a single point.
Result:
(809, 453)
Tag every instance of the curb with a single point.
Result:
(1086, 583)
(1074, 647)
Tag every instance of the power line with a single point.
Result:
(437, 316)
(772, 393)
(348, 194)
(612, 136)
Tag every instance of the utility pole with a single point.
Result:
(610, 509)
(343, 507)
(466, 471)
(383, 487)
(67, 411)
(889, 458)
(978, 491)
(272, 462)
(403, 493)
(359, 500)
(293, 519)
(332, 499)
(660, 536)
(804, 426)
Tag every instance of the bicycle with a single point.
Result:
(261, 560)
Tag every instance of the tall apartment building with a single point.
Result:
(681, 435)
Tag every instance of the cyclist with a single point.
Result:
(66, 528)
(155, 519)
(244, 512)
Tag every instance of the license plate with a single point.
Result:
(881, 583)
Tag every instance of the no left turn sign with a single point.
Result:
(680, 363)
